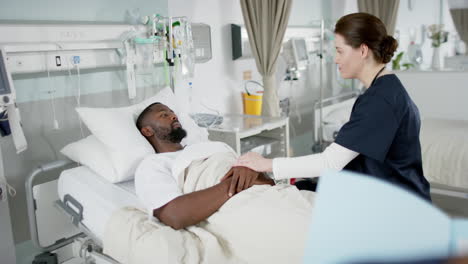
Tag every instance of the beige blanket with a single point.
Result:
(444, 148)
(262, 224)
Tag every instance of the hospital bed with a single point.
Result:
(93, 203)
(444, 148)
(88, 200)
(444, 144)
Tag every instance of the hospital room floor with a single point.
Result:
(453, 206)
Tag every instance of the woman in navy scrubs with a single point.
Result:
(382, 136)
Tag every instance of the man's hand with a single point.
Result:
(243, 178)
(255, 162)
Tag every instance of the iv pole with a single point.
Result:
(322, 29)
(318, 146)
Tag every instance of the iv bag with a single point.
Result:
(188, 56)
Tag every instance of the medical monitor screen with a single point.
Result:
(4, 84)
(301, 49)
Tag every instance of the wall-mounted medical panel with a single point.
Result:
(201, 34)
(60, 33)
(33, 48)
(60, 47)
(30, 62)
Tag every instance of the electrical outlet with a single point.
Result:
(19, 63)
(76, 60)
(58, 61)
(247, 75)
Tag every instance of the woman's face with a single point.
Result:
(349, 60)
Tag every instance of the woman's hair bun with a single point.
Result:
(388, 47)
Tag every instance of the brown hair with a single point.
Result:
(363, 28)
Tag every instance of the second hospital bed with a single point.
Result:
(444, 145)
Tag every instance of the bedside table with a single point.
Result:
(268, 136)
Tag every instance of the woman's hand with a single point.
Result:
(255, 162)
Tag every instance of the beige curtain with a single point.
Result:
(460, 19)
(386, 10)
(266, 22)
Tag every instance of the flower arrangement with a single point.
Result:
(396, 63)
(437, 34)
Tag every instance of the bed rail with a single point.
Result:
(320, 145)
(36, 177)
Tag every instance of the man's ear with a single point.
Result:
(147, 131)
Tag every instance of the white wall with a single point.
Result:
(423, 12)
(438, 94)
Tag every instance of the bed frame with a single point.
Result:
(321, 109)
(447, 190)
(90, 246)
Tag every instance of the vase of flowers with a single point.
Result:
(438, 36)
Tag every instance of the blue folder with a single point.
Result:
(358, 218)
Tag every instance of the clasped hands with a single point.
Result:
(244, 177)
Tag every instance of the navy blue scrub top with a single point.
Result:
(384, 129)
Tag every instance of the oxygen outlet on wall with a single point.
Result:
(76, 60)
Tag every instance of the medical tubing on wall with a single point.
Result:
(78, 95)
(51, 92)
(166, 69)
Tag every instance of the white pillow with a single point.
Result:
(116, 129)
(92, 153)
(195, 133)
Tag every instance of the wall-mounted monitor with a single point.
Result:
(240, 42)
(299, 48)
(295, 53)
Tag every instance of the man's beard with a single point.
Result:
(173, 135)
(177, 135)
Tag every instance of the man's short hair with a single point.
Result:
(144, 113)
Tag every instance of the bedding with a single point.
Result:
(263, 224)
(444, 148)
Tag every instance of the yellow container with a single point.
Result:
(252, 104)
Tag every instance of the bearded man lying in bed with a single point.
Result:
(158, 187)
(219, 213)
